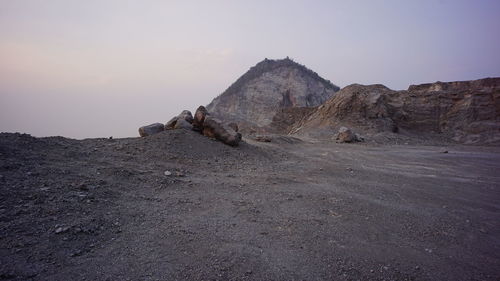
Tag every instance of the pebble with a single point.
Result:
(167, 173)
(61, 229)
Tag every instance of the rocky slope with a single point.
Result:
(255, 97)
(466, 112)
(179, 206)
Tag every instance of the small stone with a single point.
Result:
(76, 253)
(167, 173)
(446, 151)
(61, 229)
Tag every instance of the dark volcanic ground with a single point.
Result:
(102, 209)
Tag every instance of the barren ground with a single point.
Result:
(102, 209)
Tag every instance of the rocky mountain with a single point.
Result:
(465, 112)
(253, 100)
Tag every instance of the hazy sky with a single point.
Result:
(99, 68)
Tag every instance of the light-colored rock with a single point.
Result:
(151, 129)
(466, 112)
(255, 97)
(345, 135)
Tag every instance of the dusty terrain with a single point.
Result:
(101, 209)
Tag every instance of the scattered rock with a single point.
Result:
(199, 118)
(167, 173)
(446, 151)
(61, 229)
(345, 135)
(151, 129)
(187, 116)
(360, 138)
(171, 124)
(183, 124)
(181, 121)
(214, 128)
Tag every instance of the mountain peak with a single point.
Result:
(255, 97)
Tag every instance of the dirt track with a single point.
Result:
(102, 209)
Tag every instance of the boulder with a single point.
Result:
(181, 121)
(214, 128)
(182, 124)
(152, 129)
(345, 135)
(186, 115)
(171, 124)
(199, 118)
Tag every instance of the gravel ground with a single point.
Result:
(179, 206)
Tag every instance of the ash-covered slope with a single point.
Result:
(465, 112)
(255, 97)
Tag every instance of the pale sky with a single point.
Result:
(100, 68)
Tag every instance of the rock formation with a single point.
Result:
(465, 112)
(205, 124)
(253, 100)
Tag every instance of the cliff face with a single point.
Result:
(465, 112)
(269, 86)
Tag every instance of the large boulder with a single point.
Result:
(214, 128)
(183, 124)
(152, 129)
(181, 121)
(186, 115)
(345, 135)
(199, 118)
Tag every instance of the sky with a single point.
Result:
(100, 68)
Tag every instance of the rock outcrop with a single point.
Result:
(466, 112)
(253, 100)
(152, 129)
